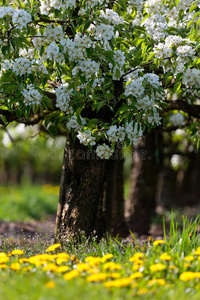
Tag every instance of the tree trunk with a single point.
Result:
(81, 192)
(114, 196)
(142, 197)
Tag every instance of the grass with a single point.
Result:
(28, 202)
(169, 269)
(111, 269)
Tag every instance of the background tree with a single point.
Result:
(101, 73)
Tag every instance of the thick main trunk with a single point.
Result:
(114, 196)
(81, 192)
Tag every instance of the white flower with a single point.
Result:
(104, 151)
(85, 137)
(104, 32)
(177, 119)
(31, 96)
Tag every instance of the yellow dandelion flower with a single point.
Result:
(63, 255)
(138, 262)
(159, 281)
(15, 266)
(157, 267)
(93, 261)
(185, 276)
(165, 256)
(158, 242)
(4, 259)
(172, 267)
(136, 275)
(114, 275)
(82, 267)
(186, 265)
(28, 268)
(71, 274)
(23, 260)
(62, 269)
(93, 270)
(53, 247)
(136, 267)
(189, 258)
(97, 277)
(136, 256)
(41, 258)
(112, 266)
(106, 257)
(16, 252)
(73, 257)
(197, 252)
(3, 254)
(59, 261)
(118, 282)
(3, 266)
(142, 291)
(50, 284)
(50, 267)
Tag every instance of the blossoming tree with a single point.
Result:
(102, 72)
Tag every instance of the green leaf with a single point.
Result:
(3, 118)
(110, 60)
(52, 130)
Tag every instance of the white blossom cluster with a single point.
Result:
(191, 78)
(48, 5)
(156, 26)
(21, 66)
(136, 3)
(104, 32)
(20, 17)
(87, 67)
(177, 119)
(54, 33)
(116, 134)
(85, 137)
(154, 6)
(111, 16)
(52, 52)
(63, 95)
(117, 70)
(133, 132)
(104, 151)
(76, 49)
(6, 10)
(137, 87)
(73, 124)
(31, 95)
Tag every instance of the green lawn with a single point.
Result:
(27, 202)
(111, 269)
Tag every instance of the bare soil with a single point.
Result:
(29, 231)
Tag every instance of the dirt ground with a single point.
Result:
(28, 231)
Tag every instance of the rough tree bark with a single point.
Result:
(81, 192)
(142, 197)
(114, 196)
